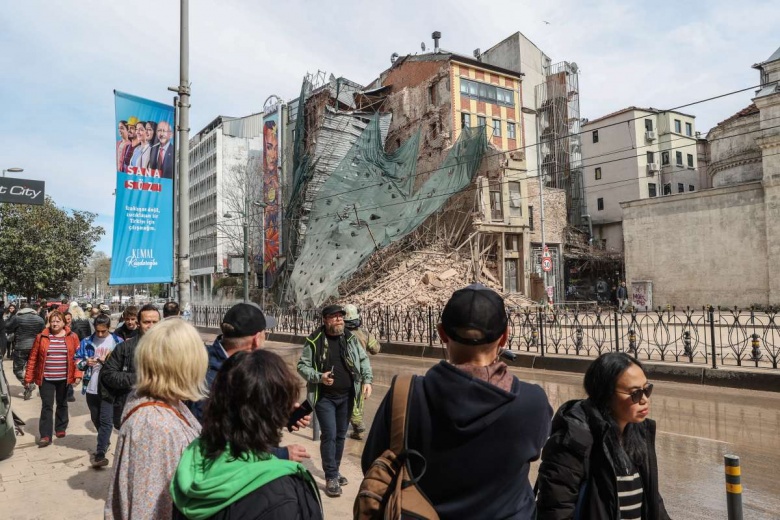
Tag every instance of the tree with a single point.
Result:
(94, 276)
(43, 248)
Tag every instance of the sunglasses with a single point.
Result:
(636, 395)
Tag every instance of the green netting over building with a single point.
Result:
(369, 202)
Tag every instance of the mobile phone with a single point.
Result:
(331, 369)
(299, 413)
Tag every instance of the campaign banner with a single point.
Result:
(142, 250)
(272, 245)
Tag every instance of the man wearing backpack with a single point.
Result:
(476, 426)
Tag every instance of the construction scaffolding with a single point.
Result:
(558, 109)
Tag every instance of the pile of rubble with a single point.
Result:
(424, 278)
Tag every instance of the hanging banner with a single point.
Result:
(143, 217)
(271, 247)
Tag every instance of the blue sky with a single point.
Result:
(61, 62)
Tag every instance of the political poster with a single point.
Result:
(142, 249)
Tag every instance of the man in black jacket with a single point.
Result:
(117, 376)
(25, 325)
(476, 425)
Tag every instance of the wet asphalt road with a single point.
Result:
(697, 426)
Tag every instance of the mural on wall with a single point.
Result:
(271, 197)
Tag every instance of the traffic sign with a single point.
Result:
(547, 264)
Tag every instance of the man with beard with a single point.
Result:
(338, 377)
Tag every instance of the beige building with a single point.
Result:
(718, 246)
(635, 153)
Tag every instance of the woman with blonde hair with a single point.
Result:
(171, 365)
(79, 321)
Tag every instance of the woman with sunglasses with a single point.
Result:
(600, 460)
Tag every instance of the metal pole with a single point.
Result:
(262, 248)
(733, 487)
(712, 336)
(246, 258)
(184, 158)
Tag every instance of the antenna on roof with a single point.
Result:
(393, 57)
(574, 67)
(422, 46)
(436, 37)
(478, 54)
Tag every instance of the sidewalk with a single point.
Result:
(58, 481)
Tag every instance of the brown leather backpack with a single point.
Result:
(388, 490)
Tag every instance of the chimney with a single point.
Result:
(436, 37)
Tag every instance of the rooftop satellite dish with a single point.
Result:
(422, 46)
(393, 57)
(574, 67)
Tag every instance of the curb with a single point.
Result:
(744, 378)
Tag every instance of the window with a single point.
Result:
(481, 121)
(432, 98)
(678, 126)
(496, 202)
(690, 160)
(486, 92)
(510, 131)
(598, 173)
(664, 158)
(688, 129)
(668, 188)
(649, 125)
(496, 128)
(650, 157)
(465, 120)
(690, 187)
(651, 189)
(530, 218)
(515, 200)
(595, 136)
(678, 158)
(512, 242)
(600, 203)
(680, 187)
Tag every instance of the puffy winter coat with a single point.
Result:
(25, 325)
(577, 458)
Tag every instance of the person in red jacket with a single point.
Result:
(52, 367)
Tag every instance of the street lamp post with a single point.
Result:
(12, 170)
(245, 215)
(262, 205)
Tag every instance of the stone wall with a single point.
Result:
(554, 213)
(707, 247)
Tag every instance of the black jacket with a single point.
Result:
(125, 334)
(477, 440)
(286, 498)
(117, 376)
(579, 450)
(25, 325)
(81, 328)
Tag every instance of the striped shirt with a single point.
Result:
(56, 366)
(629, 490)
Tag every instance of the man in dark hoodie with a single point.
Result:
(476, 425)
(25, 325)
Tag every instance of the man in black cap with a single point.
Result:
(476, 425)
(243, 328)
(338, 377)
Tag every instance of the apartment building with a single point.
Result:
(632, 154)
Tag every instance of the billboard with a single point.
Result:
(142, 249)
(271, 196)
(22, 191)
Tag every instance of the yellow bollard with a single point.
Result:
(733, 487)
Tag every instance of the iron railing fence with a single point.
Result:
(708, 336)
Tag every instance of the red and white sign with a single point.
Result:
(547, 265)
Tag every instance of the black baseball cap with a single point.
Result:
(333, 309)
(245, 319)
(475, 307)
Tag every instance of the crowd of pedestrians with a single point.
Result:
(200, 427)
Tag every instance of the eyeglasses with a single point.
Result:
(636, 395)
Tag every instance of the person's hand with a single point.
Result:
(297, 453)
(366, 390)
(77, 381)
(327, 378)
(91, 362)
(303, 422)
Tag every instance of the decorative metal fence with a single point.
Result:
(707, 336)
